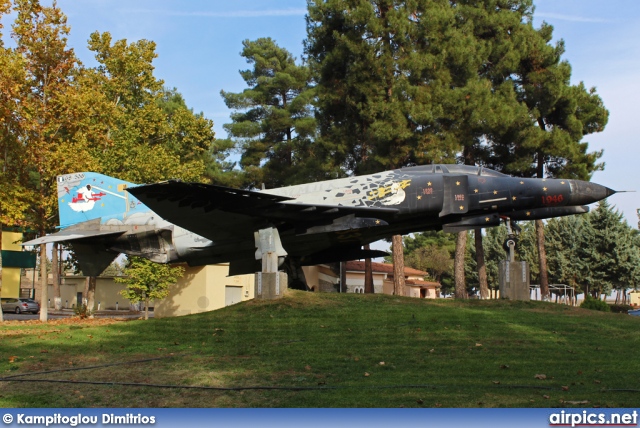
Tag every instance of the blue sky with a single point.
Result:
(199, 44)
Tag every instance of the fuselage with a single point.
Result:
(205, 224)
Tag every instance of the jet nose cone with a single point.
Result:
(584, 192)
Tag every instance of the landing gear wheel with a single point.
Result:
(508, 242)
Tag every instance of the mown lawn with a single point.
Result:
(330, 350)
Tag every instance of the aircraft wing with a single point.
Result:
(219, 213)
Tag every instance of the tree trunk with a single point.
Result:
(91, 294)
(1, 315)
(482, 268)
(44, 292)
(55, 274)
(146, 309)
(368, 274)
(458, 270)
(398, 265)
(542, 258)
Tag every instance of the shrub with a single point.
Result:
(595, 304)
(82, 311)
(620, 309)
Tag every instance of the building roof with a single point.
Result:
(358, 266)
(417, 282)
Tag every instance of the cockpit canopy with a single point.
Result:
(456, 169)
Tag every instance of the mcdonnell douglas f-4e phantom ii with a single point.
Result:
(313, 223)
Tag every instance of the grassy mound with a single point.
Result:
(329, 350)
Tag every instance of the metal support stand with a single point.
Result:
(270, 284)
(513, 276)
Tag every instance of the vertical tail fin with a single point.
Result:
(86, 196)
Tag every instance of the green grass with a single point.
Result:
(330, 350)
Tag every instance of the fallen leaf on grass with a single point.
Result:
(44, 351)
(478, 344)
(381, 363)
(366, 374)
(307, 367)
(13, 358)
(540, 376)
(504, 366)
(565, 388)
(419, 401)
(496, 382)
(546, 397)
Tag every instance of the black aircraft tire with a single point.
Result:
(508, 241)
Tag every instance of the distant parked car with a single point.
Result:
(20, 305)
(634, 312)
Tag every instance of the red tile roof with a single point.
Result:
(358, 266)
(423, 283)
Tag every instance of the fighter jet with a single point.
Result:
(326, 221)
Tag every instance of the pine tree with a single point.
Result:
(272, 124)
(560, 114)
(611, 250)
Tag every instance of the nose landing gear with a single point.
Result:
(511, 243)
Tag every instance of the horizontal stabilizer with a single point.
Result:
(72, 235)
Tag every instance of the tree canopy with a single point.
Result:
(272, 122)
(146, 280)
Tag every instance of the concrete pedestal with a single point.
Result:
(514, 280)
(270, 286)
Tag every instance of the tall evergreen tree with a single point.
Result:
(375, 63)
(550, 143)
(610, 249)
(418, 81)
(273, 122)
